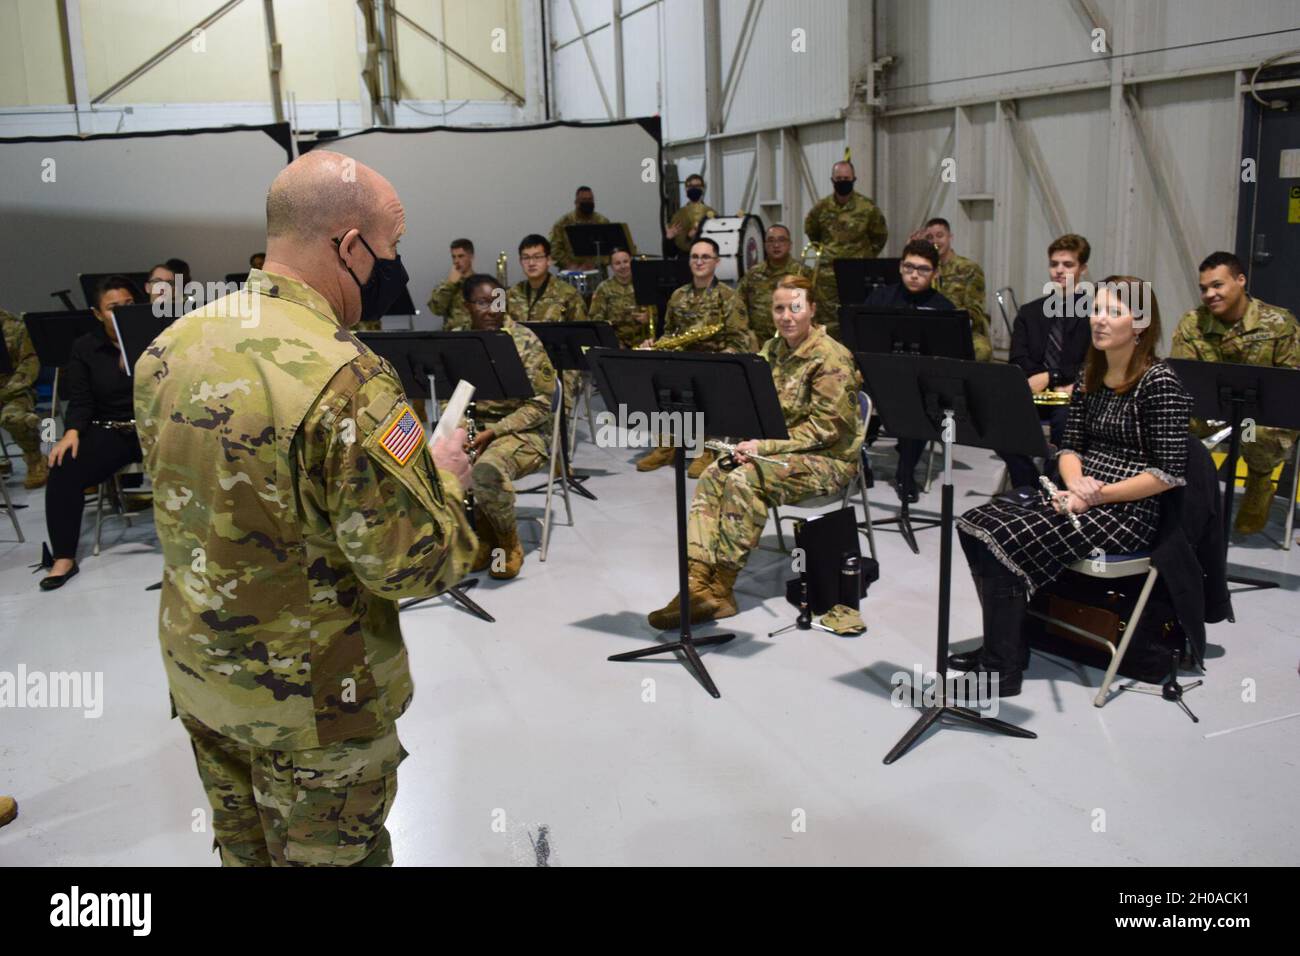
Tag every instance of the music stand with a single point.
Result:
(586, 239)
(90, 282)
(956, 402)
(855, 278)
(52, 335)
(239, 279)
(137, 326)
(403, 306)
(429, 363)
(566, 345)
(655, 280)
(1229, 392)
(726, 395)
(881, 329)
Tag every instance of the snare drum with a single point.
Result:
(740, 244)
(584, 280)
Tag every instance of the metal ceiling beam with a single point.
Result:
(620, 95)
(165, 52)
(273, 59)
(74, 44)
(591, 60)
(738, 57)
(1027, 146)
(460, 57)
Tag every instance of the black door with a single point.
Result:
(1268, 227)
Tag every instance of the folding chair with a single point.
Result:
(118, 500)
(555, 465)
(864, 416)
(13, 512)
(1007, 305)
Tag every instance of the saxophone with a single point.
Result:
(682, 341)
(501, 268)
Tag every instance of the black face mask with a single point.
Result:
(694, 194)
(843, 186)
(387, 280)
(586, 208)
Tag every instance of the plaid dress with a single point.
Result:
(1116, 437)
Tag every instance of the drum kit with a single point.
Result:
(584, 280)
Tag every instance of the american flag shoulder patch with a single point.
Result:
(403, 436)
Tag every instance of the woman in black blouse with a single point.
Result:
(1125, 443)
(99, 437)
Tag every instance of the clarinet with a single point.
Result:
(470, 431)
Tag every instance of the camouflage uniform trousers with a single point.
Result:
(730, 508)
(1271, 447)
(18, 417)
(320, 807)
(506, 458)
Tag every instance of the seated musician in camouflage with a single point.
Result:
(756, 286)
(18, 400)
(961, 281)
(448, 299)
(1232, 326)
(615, 302)
(542, 296)
(704, 316)
(296, 501)
(513, 437)
(817, 383)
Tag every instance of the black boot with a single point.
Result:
(1005, 651)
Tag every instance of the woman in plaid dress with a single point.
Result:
(1125, 443)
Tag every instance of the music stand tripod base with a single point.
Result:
(458, 595)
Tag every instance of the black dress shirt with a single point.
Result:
(97, 388)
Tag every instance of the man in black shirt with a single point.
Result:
(99, 435)
(1050, 339)
(917, 267)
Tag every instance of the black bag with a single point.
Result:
(825, 541)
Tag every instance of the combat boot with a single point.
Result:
(724, 601)
(699, 580)
(1255, 502)
(487, 540)
(8, 810)
(655, 458)
(38, 470)
(508, 540)
(699, 464)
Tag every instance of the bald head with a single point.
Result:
(322, 194)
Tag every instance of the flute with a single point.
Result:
(1053, 495)
(729, 451)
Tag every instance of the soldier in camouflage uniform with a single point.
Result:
(513, 437)
(583, 214)
(961, 281)
(448, 299)
(18, 400)
(541, 296)
(817, 382)
(755, 286)
(846, 225)
(683, 228)
(704, 316)
(296, 501)
(615, 302)
(1231, 326)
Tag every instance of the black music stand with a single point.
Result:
(1225, 391)
(566, 344)
(856, 278)
(239, 279)
(137, 326)
(52, 335)
(90, 281)
(433, 363)
(587, 239)
(731, 395)
(65, 298)
(955, 402)
(876, 329)
(404, 306)
(655, 280)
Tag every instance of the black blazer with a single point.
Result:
(1029, 342)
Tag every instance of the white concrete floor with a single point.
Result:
(524, 724)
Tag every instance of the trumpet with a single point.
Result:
(1051, 398)
(728, 450)
(1054, 499)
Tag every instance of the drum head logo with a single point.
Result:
(751, 252)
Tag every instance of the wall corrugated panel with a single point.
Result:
(683, 80)
(576, 94)
(1199, 32)
(776, 84)
(641, 60)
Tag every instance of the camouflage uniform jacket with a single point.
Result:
(515, 416)
(1264, 335)
(755, 289)
(614, 302)
(448, 300)
(689, 308)
(557, 302)
(961, 281)
(686, 219)
(22, 355)
(855, 230)
(818, 386)
(561, 253)
(296, 501)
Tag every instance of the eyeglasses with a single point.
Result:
(542, 258)
(483, 303)
(919, 270)
(703, 258)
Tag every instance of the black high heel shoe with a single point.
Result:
(55, 581)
